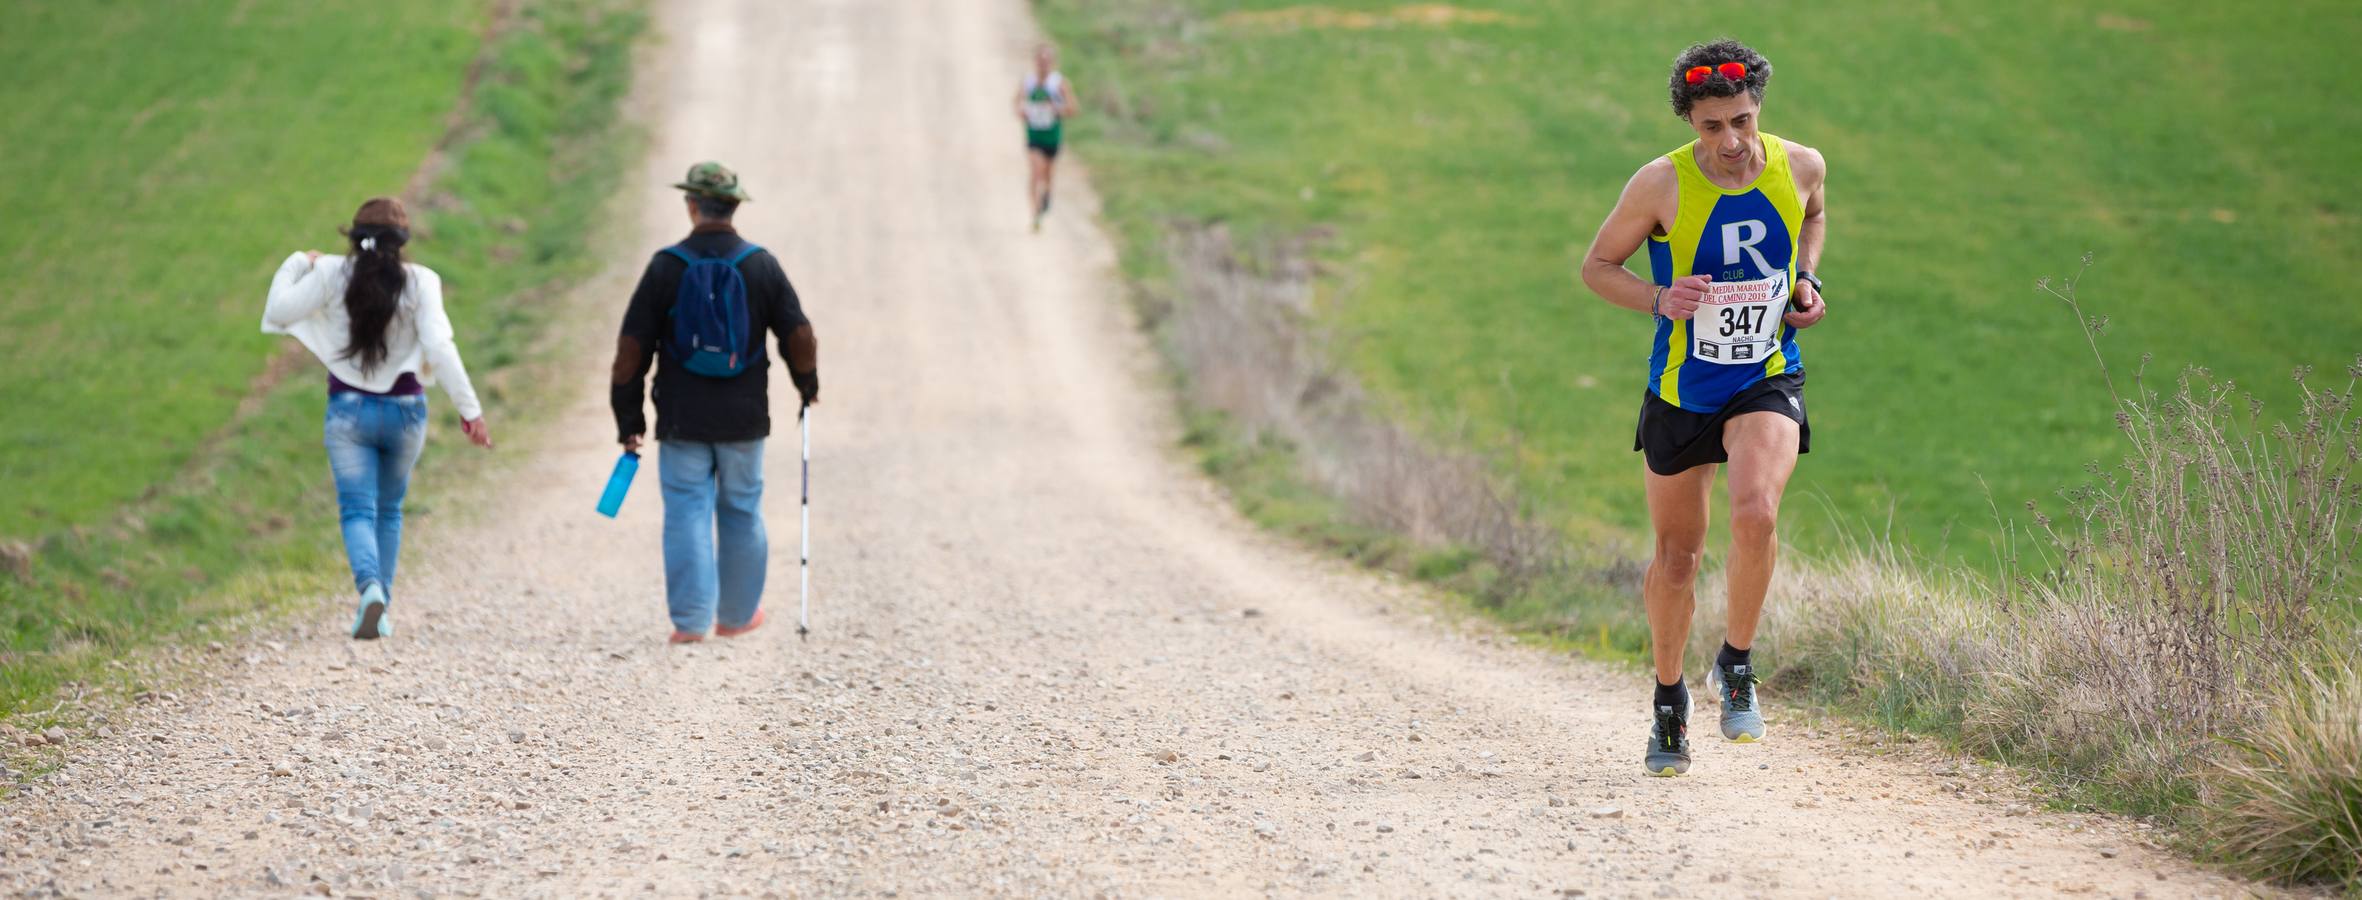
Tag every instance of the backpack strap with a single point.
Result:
(686, 255)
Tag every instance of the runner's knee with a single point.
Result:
(1754, 517)
(1678, 559)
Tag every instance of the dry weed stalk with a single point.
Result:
(1242, 331)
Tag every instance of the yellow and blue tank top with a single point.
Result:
(1746, 239)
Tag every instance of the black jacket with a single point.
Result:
(693, 407)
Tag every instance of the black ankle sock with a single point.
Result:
(1730, 656)
(1675, 695)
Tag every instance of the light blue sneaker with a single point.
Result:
(1735, 687)
(369, 622)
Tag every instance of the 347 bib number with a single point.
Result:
(1739, 321)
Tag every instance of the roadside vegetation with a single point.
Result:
(1353, 229)
(1455, 160)
(161, 501)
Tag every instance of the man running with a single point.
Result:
(1733, 223)
(1044, 102)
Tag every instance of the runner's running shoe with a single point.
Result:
(1735, 687)
(1668, 742)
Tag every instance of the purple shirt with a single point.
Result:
(405, 386)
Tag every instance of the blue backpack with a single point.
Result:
(710, 323)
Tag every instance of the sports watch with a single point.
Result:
(1811, 279)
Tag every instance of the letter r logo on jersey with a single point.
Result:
(1737, 236)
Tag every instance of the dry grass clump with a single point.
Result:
(2291, 797)
(1913, 641)
(2180, 585)
(1241, 331)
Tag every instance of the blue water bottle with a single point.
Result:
(611, 502)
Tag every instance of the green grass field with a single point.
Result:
(2196, 149)
(153, 192)
(162, 163)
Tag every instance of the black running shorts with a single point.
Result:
(1677, 440)
(1046, 148)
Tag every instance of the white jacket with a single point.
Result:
(307, 301)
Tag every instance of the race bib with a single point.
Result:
(1739, 321)
(1040, 114)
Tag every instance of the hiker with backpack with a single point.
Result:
(700, 311)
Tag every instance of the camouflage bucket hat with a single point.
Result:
(712, 179)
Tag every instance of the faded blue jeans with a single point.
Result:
(372, 443)
(715, 549)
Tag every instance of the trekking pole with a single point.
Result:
(804, 591)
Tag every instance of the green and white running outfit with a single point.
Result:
(1043, 124)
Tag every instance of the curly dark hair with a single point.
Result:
(1685, 94)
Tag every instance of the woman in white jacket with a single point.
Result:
(378, 324)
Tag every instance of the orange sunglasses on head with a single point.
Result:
(1730, 71)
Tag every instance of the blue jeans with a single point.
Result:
(714, 545)
(372, 443)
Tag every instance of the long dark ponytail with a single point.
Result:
(373, 293)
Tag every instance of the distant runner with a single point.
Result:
(1045, 100)
(1733, 224)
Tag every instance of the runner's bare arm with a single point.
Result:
(1639, 213)
(1017, 102)
(1811, 180)
(1069, 104)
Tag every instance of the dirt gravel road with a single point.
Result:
(1048, 659)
